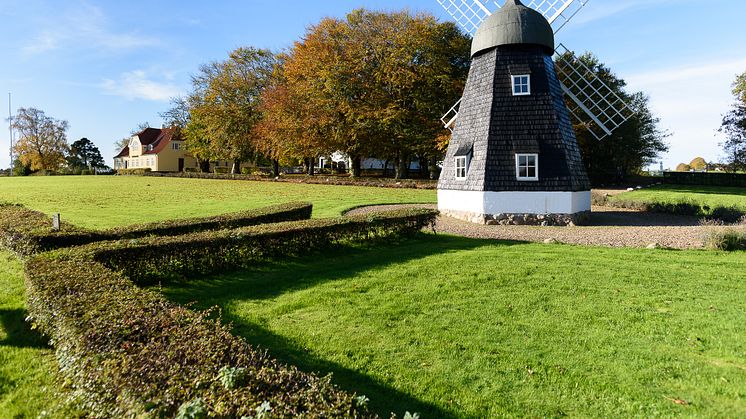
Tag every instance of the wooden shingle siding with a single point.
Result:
(499, 125)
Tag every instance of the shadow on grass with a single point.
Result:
(271, 280)
(18, 332)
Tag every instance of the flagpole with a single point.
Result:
(10, 131)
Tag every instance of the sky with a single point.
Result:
(108, 66)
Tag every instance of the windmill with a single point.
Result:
(513, 157)
(588, 94)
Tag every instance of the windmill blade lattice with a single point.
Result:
(469, 14)
(590, 95)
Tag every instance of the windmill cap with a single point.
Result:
(513, 24)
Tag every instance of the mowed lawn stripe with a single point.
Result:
(472, 328)
(110, 201)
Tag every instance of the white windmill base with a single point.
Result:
(532, 208)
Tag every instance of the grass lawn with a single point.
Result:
(27, 364)
(455, 327)
(110, 201)
(711, 196)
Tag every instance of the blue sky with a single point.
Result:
(106, 66)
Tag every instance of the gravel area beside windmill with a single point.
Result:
(611, 227)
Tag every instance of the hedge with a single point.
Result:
(26, 231)
(318, 180)
(707, 179)
(129, 352)
(158, 259)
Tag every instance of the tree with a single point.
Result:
(377, 83)
(85, 155)
(43, 140)
(683, 167)
(633, 145)
(734, 127)
(739, 88)
(228, 104)
(699, 163)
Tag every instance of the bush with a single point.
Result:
(133, 172)
(720, 213)
(158, 259)
(128, 352)
(728, 240)
(25, 231)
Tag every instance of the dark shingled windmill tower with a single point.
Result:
(513, 156)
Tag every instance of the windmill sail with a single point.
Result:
(589, 94)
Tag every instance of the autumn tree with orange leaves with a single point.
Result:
(374, 84)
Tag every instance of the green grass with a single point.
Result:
(111, 201)
(27, 364)
(711, 196)
(454, 327)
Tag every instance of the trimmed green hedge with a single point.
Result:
(129, 352)
(26, 231)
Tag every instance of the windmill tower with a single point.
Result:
(513, 156)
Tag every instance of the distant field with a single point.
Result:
(455, 327)
(110, 201)
(711, 196)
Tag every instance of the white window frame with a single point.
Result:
(176, 146)
(461, 169)
(518, 167)
(513, 84)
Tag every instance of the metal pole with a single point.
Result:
(10, 131)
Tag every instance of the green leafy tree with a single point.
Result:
(43, 140)
(635, 144)
(84, 154)
(227, 99)
(734, 127)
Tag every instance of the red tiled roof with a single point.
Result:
(124, 153)
(157, 138)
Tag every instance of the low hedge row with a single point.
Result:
(26, 231)
(157, 259)
(720, 213)
(128, 352)
(319, 180)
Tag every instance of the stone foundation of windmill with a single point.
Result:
(513, 157)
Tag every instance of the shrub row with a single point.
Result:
(26, 231)
(320, 180)
(721, 213)
(157, 259)
(128, 352)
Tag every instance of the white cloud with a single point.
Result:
(690, 99)
(87, 27)
(136, 85)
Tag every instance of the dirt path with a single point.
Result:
(612, 227)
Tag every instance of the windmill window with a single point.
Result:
(527, 167)
(522, 85)
(461, 167)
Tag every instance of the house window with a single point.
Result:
(527, 166)
(522, 85)
(176, 146)
(461, 167)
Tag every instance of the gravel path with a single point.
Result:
(612, 227)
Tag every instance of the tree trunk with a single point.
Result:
(236, 170)
(204, 166)
(423, 168)
(311, 166)
(433, 166)
(402, 167)
(275, 168)
(355, 167)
